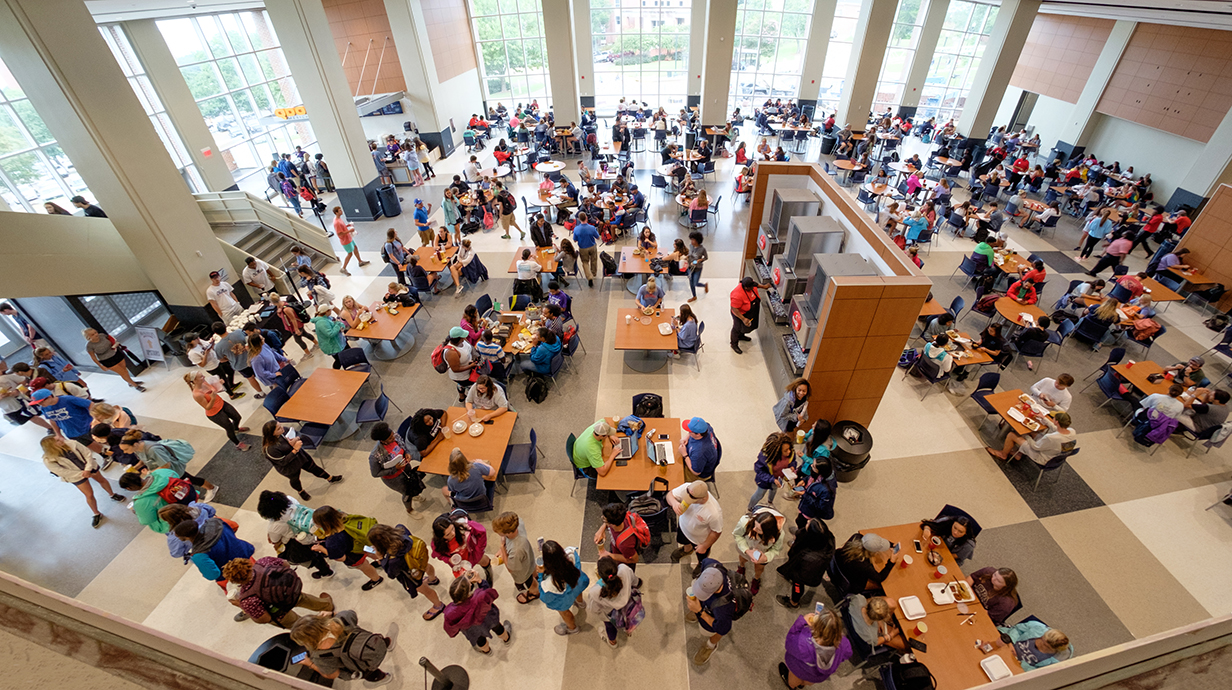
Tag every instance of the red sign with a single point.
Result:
(761, 241)
(797, 321)
(778, 277)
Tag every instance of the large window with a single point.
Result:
(959, 49)
(513, 54)
(641, 52)
(838, 55)
(33, 167)
(116, 39)
(771, 38)
(904, 36)
(239, 78)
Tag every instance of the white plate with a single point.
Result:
(941, 593)
(459, 426)
(912, 608)
(994, 667)
(665, 329)
(956, 593)
(476, 429)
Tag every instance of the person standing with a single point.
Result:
(777, 454)
(268, 590)
(214, 545)
(808, 557)
(109, 354)
(699, 522)
(614, 596)
(586, 237)
(507, 205)
(289, 458)
(294, 326)
(27, 330)
(222, 297)
(232, 347)
(91, 210)
(343, 538)
(622, 535)
(758, 536)
(14, 403)
(257, 275)
(561, 583)
(792, 409)
(473, 612)
(327, 641)
(396, 463)
(201, 353)
(745, 311)
(422, 211)
(517, 555)
(73, 462)
(697, 256)
(346, 237)
(404, 558)
(395, 252)
(69, 415)
(206, 394)
(321, 170)
(815, 648)
(710, 603)
(289, 530)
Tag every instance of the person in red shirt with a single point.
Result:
(1021, 165)
(1182, 222)
(745, 308)
(346, 236)
(1023, 292)
(1148, 229)
(1133, 284)
(1036, 273)
(617, 536)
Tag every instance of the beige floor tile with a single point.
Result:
(1120, 470)
(936, 425)
(1105, 551)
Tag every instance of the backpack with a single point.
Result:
(385, 253)
(280, 586)
(740, 594)
(1144, 329)
(651, 405)
(818, 500)
(609, 264)
(175, 490)
(357, 526)
(639, 530)
(651, 502)
(1217, 322)
(536, 388)
(912, 676)
(360, 653)
(509, 204)
(909, 356)
(988, 303)
(438, 358)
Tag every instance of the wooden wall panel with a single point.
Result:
(1209, 241)
(357, 22)
(1059, 54)
(449, 33)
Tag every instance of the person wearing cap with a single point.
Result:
(594, 452)
(1190, 372)
(421, 222)
(459, 356)
(14, 403)
(586, 236)
(330, 338)
(232, 347)
(699, 522)
(700, 448)
(221, 296)
(711, 605)
(745, 310)
(866, 560)
(69, 416)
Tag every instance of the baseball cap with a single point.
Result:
(709, 583)
(747, 282)
(695, 424)
(214, 274)
(875, 543)
(40, 395)
(418, 202)
(323, 309)
(457, 332)
(40, 382)
(1198, 360)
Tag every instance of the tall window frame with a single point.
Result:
(768, 56)
(900, 53)
(838, 55)
(513, 51)
(964, 37)
(640, 52)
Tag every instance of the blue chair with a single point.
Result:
(531, 210)
(1035, 348)
(1121, 270)
(697, 218)
(481, 505)
(1114, 358)
(313, 434)
(1151, 341)
(713, 210)
(286, 376)
(577, 473)
(483, 305)
(275, 398)
(1053, 465)
(839, 579)
(866, 198)
(696, 349)
(558, 361)
(925, 239)
(658, 181)
(571, 346)
(929, 371)
(1058, 336)
(355, 359)
(1121, 293)
(1110, 385)
(374, 410)
(956, 221)
(987, 386)
(1089, 330)
(1204, 435)
(523, 458)
(956, 306)
(969, 268)
(973, 525)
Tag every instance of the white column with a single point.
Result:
(716, 75)
(1078, 127)
(168, 81)
(697, 45)
(558, 32)
(584, 49)
(1009, 34)
(55, 51)
(815, 52)
(868, 51)
(924, 49)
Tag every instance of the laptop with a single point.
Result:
(626, 448)
(660, 453)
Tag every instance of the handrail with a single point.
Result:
(243, 208)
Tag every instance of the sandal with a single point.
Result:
(433, 612)
(526, 597)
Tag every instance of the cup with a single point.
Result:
(921, 628)
(939, 572)
(905, 562)
(800, 434)
(1130, 364)
(446, 430)
(689, 593)
(936, 541)
(628, 319)
(455, 559)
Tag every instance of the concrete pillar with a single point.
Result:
(584, 51)
(716, 73)
(303, 32)
(168, 81)
(697, 50)
(867, 53)
(930, 32)
(55, 51)
(562, 73)
(1080, 124)
(1005, 43)
(815, 53)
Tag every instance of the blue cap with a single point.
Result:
(696, 425)
(418, 202)
(41, 394)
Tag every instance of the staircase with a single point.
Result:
(274, 248)
(249, 225)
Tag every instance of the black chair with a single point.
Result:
(839, 580)
(658, 181)
(950, 511)
(1121, 293)
(483, 305)
(637, 400)
(1052, 465)
(1090, 331)
(355, 359)
(480, 505)
(313, 434)
(928, 370)
(286, 376)
(530, 209)
(523, 458)
(986, 386)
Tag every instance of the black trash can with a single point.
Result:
(390, 206)
(852, 445)
(827, 144)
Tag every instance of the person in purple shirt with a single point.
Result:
(586, 237)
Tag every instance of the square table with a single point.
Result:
(1193, 277)
(932, 308)
(385, 333)
(544, 256)
(639, 336)
(952, 656)
(323, 398)
(430, 263)
(1136, 376)
(1160, 292)
(971, 356)
(489, 446)
(637, 266)
(639, 472)
(1002, 402)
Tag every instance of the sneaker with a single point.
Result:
(242, 429)
(242, 446)
(755, 586)
(364, 263)
(236, 396)
(258, 396)
(679, 554)
(692, 299)
(96, 521)
(508, 631)
(380, 680)
(344, 272)
(706, 286)
(318, 575)
(689, 616)
(335, 479)
(209, 495)
(241, 617)
(783, 674)
(117, 498)
(108, 462)
(590, 282)
(370, 584)
(506, 237)
(785, 602)
(703, 654)
(737, 349)
(305, 496)
(562, 629)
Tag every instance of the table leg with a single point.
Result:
(645, 361)
(635, 282)
(344, 427)
(392, 349)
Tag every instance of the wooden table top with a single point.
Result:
(952, 656)
(1002, 402)
(324, 395)
(690, 155)
(631, 263)
(848, 165)
(858, 136)
(609, 149)
(1004, 182)
(385, 326)
(1033, 205)
(546, 260)
(471, 198)
(1014, 263)
(1136, 376)
(902, 167)
(1160, 292)
(489, 446)
(1011, 310)
(555, 198)
(428, 260)
(878, 189)
(1193, 277)
(498, 171)
(639, 336)
(932, 308)
(950, 162)
(970, 355)
(637, 475)
(519, 321)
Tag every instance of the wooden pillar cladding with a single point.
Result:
(863, 322)
(1209, 241)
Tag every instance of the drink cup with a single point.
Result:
(939, 572)
(905, 562)
(800, 434)
(1130, 364)
(689, 593)
(446, 429)
(628, 319)
(921, 628)
(455, 559)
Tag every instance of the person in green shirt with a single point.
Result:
(329, 333)
(595, 450)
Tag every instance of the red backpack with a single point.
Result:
(635, 526)
(175, 490)
(438, 358)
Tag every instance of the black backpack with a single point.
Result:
(650, 503)
(1217, 322)
(385, 254)
(912, 675)
(741, 596)
(536, 388)
(360, 653)
(650, 406)
(609, 264)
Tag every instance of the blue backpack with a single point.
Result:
(818, 498)
(909, 356)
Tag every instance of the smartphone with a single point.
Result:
(299, 657)
(662, 437)
(897, 546)
(489, 421)
(369, 549)
(540, 544)
(918, 547)
(821, 606)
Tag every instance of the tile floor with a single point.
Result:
(1088, 544)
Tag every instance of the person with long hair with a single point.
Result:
(458, 541)
(396, 463)
(808, 557)
(561, 583)
(294, 325)
(792, 408)
(759, 540)
(777, 454)
(467, 480)
(872, 620)
(320, 634)
(866, 560)
(266, 604)
(687, 335)
(352, 311)
(816, 646)
(55, 209)
(289, 530)
(74, 463)
(997, 589)
(614, 596)
(472, 323)
(460, 262)
(289, 458)
(701, 201)
(109, 354)
(264, 360)
(954, 530)
(473, 613)
(1095, 230)
(342, 544)
(404, 558)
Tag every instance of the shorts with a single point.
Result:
(354, 559)
(247, 373)
(425, 237)
(112, 360)
(681, 538)
(506, 220)
(20, 416)
(85, 439)
(349, 247)
(83, 481)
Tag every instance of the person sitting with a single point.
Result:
(527, 282)
(938, 325)
(1023, 292)
(1045, 445)
(700, 448)
(554, 320)
(1189, 372)
(649, 295)
(997, 590)
(1054, 393)
(544, 346)
(872, 619)
(1037, 333)
(935, 351)
(541, 232)
(1168, 405)
(595, 450)
(1212, 412)
(1035, 645)
(866, 560)
(954, 531)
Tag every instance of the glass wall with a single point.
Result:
(117, 40)
(33, 167)
(641, 52)
(838, 55)
(771, 38)
(239, 77)
(908, 23)
(959, 49)
(512, 51)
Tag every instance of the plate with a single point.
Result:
(941, 593)
(476, 429)
(995, 668)
(645, 320)
(665, 329)
(912, 608)
(459, 426)
(961, 592)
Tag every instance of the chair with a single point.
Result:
(1058, 336)
(1110, 385)
(530, 209)
(1114, 358)
(275, 398)
(950, 511)
(558, 361)
(480, 505)
(374, 410)
(313, 434)
(519, 302)
(637, 400)
(930, 371)
(987, 386)
(956, 221)
(697, 218)
(696, 349)
(956, 306)
(1121, 270)
(866, 199)
(714, 208)
(968, 268)
(286, 376)
(1049, 223)
(354, 359)
(925, 238)
(577, 473)
(483, 305)
(523, 458)
(658, 181)
(571, 346)
(1121, 293)
(1151, 340)
(1089, 330)
(1052, 465)
(1035, 348)
(838, 579)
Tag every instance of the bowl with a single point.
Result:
(648, 311)
(459, 426)
(476, 429)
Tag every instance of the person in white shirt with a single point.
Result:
(256, 275)
(473, 171)
(936, 352)
(1169, 404)
(1054, 393)
(1043, 445)
(222, 297)
(699, 521)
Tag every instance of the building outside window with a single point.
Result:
(641, 52)
(117, 40)
(964, 37)
(239, 77)
(904, 37)
(512, 51)
(33, 168)
(771, 39)
(838, 56)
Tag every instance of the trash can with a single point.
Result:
(390, 205)
(852, 445)
(827, 144)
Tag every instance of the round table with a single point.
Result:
(470, 199)
(848, 166)
(498, 171)
(665, 170)
(684, 203)
(549, 166)
(1011, 310)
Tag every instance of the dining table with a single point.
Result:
(488, 447)
(325, 398)
(637, 472)
(387, 334)
(848, 166)
(1013, 311)
(640, 337)
(1005, 401)
(432, 261)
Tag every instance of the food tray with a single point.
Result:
(665, 328)
(995, 668)
(912, 608)
(941, 593)
(961, 592)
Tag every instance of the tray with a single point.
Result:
(912, 608)
(961, 592)
(995, 668)
(942, 596)
(665, 329)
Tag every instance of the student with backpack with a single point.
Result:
(807, 560)
(622, 535)
(74, 463)
(561, 583)
(343, 538)
(171, 453)
(396, 463)
(474, 614)
(404, 558)
(213, 545)
(268, 590)
(289, 529)
(339, 648)
(155, 490)
(714, 601)
(615, 596)
(517, 556)
(507, 205)
(815, 647)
